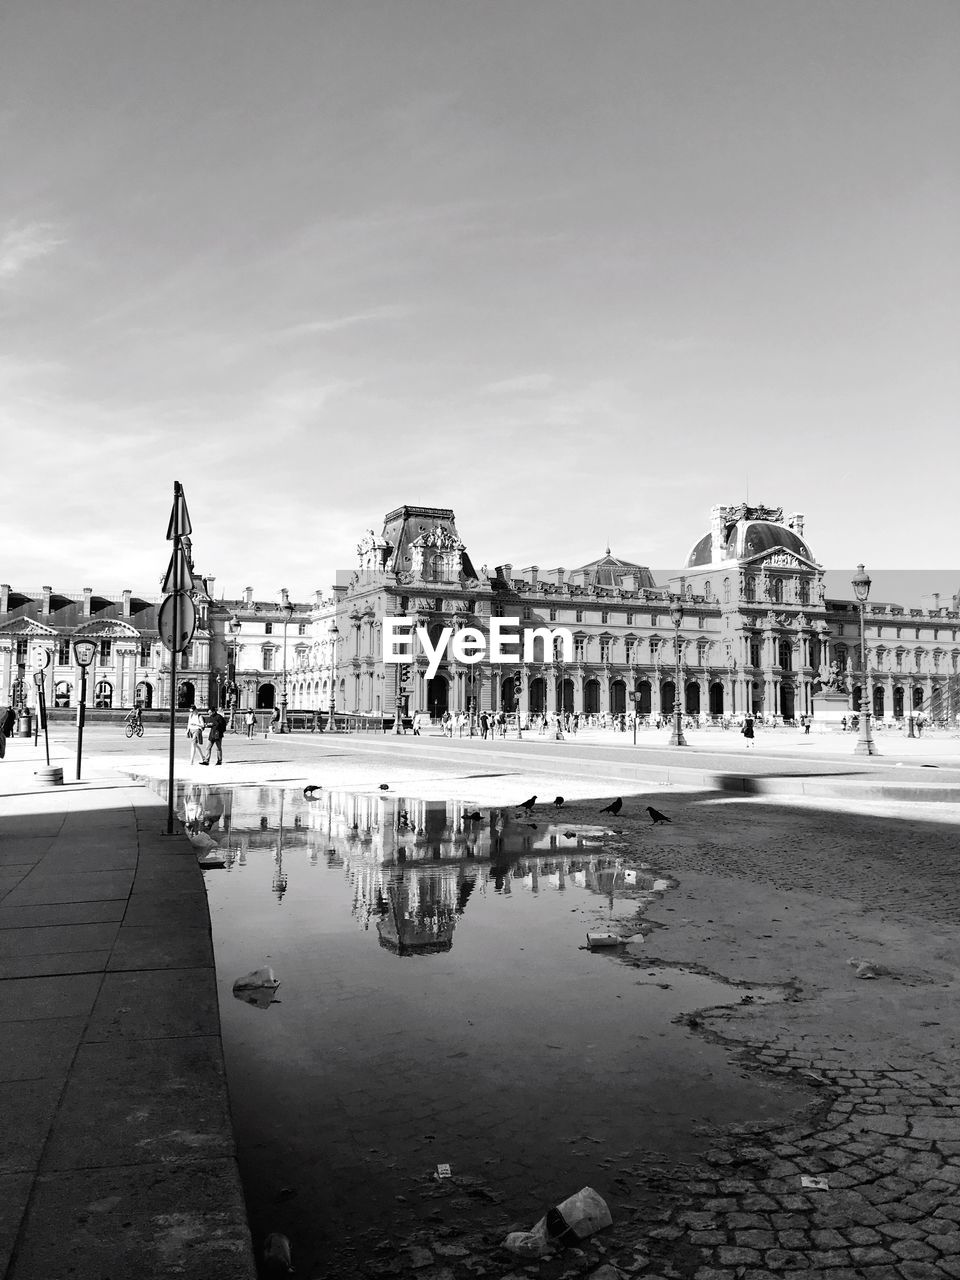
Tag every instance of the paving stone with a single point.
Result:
(920, 1271)
(730, 1256)
(871, 1256)
(755, 1239)
(707, 1239)
(862, 1235)
(950, 1266)
(948, 1243)
(793, 1240)
(828, 1238)
(915, 1250)
(785, 1259)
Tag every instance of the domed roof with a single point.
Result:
(745, 539)
(609, 571)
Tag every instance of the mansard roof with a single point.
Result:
(66, 613)
(609, 571)
(406, 525)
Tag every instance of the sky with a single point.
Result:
(577, 269)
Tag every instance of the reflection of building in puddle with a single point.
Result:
(413, 863)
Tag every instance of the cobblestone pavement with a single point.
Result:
(789, 894)
(767, 893)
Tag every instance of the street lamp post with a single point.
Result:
(287, 614)
(865, 744)
(232, 683)
(332, 717)
(676, 616)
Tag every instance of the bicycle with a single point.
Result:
(133, 727)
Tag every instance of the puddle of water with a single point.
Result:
(437, 1005)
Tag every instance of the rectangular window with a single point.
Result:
(526, 613)
(63, 653)
(604, 650)
(629, 619)
(578, 648)
(604, 616)
(268, 659)
(754, 653)
(654, 619)
(301, 628)
(553, 615)
(268, 628)
(185, 656)
(579, 615)
(22, 651)
(105, 648)
(628, 647)
(144, 653)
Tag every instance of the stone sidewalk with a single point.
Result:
(116, 1152)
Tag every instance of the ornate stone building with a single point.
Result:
(757, 635)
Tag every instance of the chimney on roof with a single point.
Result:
(210, 584)
(47, 592)
(319, 594)
(4, 597)
(87, 596)
(126, 602)
(248, 596)
(506, 572)
(284, 596)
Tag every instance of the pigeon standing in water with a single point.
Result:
(558, 803)
(657, 816)
(613, 808)
(527, 805)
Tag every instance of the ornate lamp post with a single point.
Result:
(233, 688)
(676, 617)
(332, 717)
(865, 744)
(287, 615)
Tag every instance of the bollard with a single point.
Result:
(50, 776)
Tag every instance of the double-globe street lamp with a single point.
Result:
(334, 634)
(865, 744)
(676, 616)
(287, 615)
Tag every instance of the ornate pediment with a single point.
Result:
(29, 627)
(110, 629)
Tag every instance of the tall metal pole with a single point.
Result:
(865, 744)
(283, 696)
(81, 711)
(676, 738)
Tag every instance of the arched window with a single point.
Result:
(749, 587)
(726, 591)
(61, 694)
(803, 591)
(103, 694)
(776, 591)
(707, 591)
(144, 693)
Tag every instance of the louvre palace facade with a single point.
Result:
(757, 635)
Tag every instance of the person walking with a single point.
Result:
(250, 720)
(195, 734)
(216, 728)
(747, 731)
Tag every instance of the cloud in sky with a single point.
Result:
(578, 277)
(22, 243)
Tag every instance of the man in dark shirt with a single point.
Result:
(216, 728)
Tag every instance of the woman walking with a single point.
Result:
(195, 734)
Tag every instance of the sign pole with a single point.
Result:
(81, 708)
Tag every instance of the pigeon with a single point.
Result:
(384, 787)
(528, 804)
(656, 815)
(474, 817)
(558, 803)
(532, 825)
(569, 834)
(614, 808)
(309, 793)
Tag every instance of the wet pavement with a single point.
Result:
(438, 1004)
(767, 892)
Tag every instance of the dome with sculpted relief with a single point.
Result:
(743, 532)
